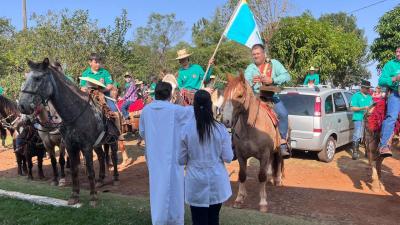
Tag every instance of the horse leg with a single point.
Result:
(74, 160)
(40, 166)
(114, 156)
(242, 194)
(61, 161)
(379, 162)
(262, 178)
(19, 164)
(30, 165)
(106, 148)
(24, 166)
(91, 173)
(102, 173)
(54, 166)
(277, 168)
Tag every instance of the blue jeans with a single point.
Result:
(283, 117)
(393, 110)
(124, 109)
(112, 105)
(358, 130)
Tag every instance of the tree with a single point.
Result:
(388, 28)
(160, 34)
(304, 41)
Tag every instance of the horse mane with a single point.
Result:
(73, 87)
(8, 107)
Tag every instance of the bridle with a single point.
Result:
(44, 101)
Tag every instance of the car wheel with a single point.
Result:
(328, 152)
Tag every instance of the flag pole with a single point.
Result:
(220, 42)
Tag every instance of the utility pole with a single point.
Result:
(24, 20)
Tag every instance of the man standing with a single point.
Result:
(270, 72)
(360, 103)
(160, 125)
(312, 77)
(98, 73)
(390, 78)
(191, 76)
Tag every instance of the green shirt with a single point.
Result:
(127, 85)
(192, 77)
(360, 100)
(152, 89)
(391, 69)
(101, 74)
(1, 90)
(312, 77)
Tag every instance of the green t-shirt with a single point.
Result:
(101, 74)
(192, 77)
(152, 89)
(360, 100)
(312, 77)
(127, 85)
(1, 90)
(391, 69)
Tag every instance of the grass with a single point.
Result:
(111, 209)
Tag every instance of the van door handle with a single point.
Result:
(339, 120)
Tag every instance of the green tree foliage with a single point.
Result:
(304, 41)
(388, 29)
(160, 34)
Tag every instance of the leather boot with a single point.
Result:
(356, 145)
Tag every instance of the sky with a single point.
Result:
(191, 11)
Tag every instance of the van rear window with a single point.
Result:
(299, 105)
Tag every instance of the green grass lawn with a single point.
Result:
(111, 209)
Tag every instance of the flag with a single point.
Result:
(242, 27)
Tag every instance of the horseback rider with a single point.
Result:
(390, 78)
(360, 103)
(266, 71)
(129, 97)
(191, 76)
(95, 71)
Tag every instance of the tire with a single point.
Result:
(328, 152)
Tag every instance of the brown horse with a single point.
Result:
(254, 135)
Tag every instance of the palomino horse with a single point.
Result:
(176, 94)
(84, 126)
(254, 135)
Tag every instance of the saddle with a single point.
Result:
(269, 108)
(188, 96)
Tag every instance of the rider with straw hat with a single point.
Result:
(191, 76)
(312, 77)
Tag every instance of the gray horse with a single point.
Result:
(84, 127)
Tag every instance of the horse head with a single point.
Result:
(237, 96)
(38, 87)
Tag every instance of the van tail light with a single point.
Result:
(317, 115)
(317, 106)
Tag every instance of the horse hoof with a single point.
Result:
(93, 203)
(99, 184)
(61, 183)
(73, 201)
(54, 183)
(238, 205)
(263, 208)
(116, 183)
(30, 178)
(42, 177)
(278, 183)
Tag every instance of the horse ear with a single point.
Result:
(241, 76)
(31, 64)
(229, 77)
(45, 63)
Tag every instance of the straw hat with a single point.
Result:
(137, 82)
(127, 74)
(93, 81)
(182, 54)
(312, 69)
(213, 77)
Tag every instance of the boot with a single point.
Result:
(355, 154)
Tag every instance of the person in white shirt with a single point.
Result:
(161, 123)
(205, 146)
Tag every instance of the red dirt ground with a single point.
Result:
(338, 192)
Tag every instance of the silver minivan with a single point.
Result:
(320, 119)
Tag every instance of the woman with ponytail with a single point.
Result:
(205, 146)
